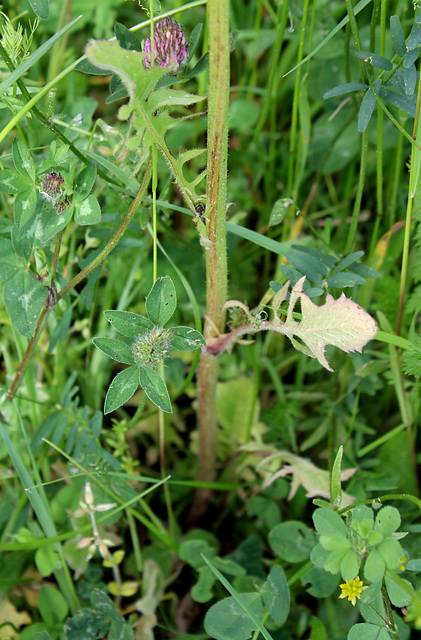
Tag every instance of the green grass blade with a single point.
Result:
(359, 7)
(237, 597)
(29, 62)
(43, 515)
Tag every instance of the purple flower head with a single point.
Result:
(170, 46)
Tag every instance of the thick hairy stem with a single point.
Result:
(216, 204)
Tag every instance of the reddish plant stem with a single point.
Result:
(216, 256)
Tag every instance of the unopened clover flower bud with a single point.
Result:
(170, 46)
(51, 190)
(51, 185)
(152, 347)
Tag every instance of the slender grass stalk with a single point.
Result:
(357, 203)
(216, 206)
(379, 151)
(294, 115)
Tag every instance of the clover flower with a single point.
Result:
(170, 46)
(352, 589)
(51, 189)
(152, 347)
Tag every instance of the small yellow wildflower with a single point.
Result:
(352, 589)
(403, 562)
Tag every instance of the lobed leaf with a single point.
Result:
(149, 105)
(341, 323)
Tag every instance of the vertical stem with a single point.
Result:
(357, 204)
(216, 205)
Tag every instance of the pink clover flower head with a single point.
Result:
(170, 46)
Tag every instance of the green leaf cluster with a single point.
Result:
(397, 82)
(146, 346)
(36, 222)
(320, 268)
(343, 547)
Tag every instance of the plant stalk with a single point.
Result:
(216, 206)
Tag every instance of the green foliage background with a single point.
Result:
(97, 532)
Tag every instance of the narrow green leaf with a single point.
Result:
(88, 211)
(411, 57)
(114, 349)
(367, 107)
(380, 62)
(410, 79)
(194, 39)
(127, 323)
(350, 259)
(275, 594)
(399, 101)
(22, 160)
(155, 388)
(32, 493)
(161, 301)
(358, 7)
(342, 280)
(29, 62)
(24, 297)
(121, 389)
(335, 480)
(414, 39)
(24, 206)
(398, 36)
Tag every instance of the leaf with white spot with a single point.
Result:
(88, 211)
(24, 297)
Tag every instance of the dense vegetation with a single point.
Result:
(209, 254)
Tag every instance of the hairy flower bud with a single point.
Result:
(152, 347)
(170, 46)
(51, 185)
(51, 190)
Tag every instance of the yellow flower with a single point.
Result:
(403, 562)
(352, 589)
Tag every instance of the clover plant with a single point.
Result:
(148, 344)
